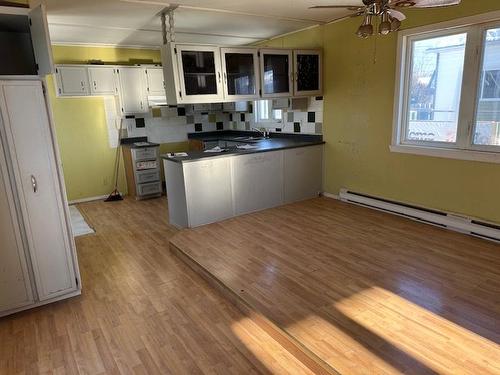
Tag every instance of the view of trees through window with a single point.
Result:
(435, 88)
(487, 129)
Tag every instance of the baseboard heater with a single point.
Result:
(458, 223)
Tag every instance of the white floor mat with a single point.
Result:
(78, 223)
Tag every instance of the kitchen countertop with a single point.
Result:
(276, 142)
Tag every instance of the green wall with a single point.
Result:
(359, 78)
(88, 161)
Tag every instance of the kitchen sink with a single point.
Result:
(248, 139)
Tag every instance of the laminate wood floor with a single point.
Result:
(368, 292)
(142, 311)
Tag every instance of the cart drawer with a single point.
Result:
(147, 176)
(149, 188)
(145, 153)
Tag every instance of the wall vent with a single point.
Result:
(458, 223)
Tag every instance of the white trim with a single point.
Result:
(451, 221)
(89, 199)
(330, 195)
(463, 148)
(105, 45)
(449, 153)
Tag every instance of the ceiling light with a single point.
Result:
(385, 26)
(395, 24)
(366, 29)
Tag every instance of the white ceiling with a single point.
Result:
(136, 23)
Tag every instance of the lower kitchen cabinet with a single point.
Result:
(302, 173)
(209, 190)
(257, 181)
(38, 259)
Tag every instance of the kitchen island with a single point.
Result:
(251, 173)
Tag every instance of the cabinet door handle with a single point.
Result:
(219, 77)
(95, 84)
(34, 184)
(225, 77)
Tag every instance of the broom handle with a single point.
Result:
(118, 148)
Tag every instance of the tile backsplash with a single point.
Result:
(173, 123)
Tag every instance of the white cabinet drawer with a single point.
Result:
(149, 164)
(147, 176)
(150, 188)
(145, 153)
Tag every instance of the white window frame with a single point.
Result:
(475, 27)
(271, 120)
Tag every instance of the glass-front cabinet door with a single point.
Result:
(240, 72)
(308, 73)
(276, 73)
(200, 73)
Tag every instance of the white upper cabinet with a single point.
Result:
(193, 73)
(25, 42)
(240, 70)
(41, 40)
(155, 84)
(276, 73)
(72, 81)
(308, 77)
(133, 95)
(103, 80)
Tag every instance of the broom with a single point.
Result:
(115, 194)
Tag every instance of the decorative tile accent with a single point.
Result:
(311, 116)
(212, 117)
(289, 117)
(318, 128)
(190, 119)
(230, 117)
(198, 127)
(140, 123)
(219, 125)
(247, 125)
(242, 117)
(181, 111)
(296, 127)
(277, 130)
(156, 112)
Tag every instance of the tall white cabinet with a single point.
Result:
(38, 261)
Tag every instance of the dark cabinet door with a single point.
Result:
(276, 69)
(240, 72)
(308, 73)
(200, 72)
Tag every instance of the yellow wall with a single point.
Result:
(88, 161)
(358, 104)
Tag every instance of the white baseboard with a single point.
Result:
(330, 195)
(458, 223)
(89, 199)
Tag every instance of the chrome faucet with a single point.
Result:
(264, 132)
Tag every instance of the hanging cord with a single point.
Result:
(168, 31)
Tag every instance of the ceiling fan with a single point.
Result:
(386, 11)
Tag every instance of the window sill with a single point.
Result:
(472, 155)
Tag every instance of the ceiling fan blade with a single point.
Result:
(397, 14)
(424, 3)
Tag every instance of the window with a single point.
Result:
(264, 112)
(449, 95)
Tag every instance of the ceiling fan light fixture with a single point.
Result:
(395, 24)
(385, 26)
(366, 29)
